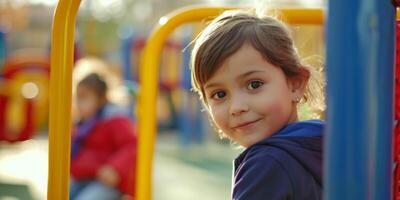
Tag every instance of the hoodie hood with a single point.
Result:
(303, 141)
(287, 165)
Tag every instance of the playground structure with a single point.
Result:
(358, 161)
(24, 93)
(24, 84)
(182, 110)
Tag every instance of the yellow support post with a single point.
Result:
(62, 51)
(149, 76)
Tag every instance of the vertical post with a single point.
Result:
(360, 69)
(186, 117)
(127, 38)
(3, 47)
(62, 51)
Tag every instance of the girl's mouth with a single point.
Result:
(246, 124)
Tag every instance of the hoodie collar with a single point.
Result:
(307, 128)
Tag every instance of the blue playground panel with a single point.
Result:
(360, 75)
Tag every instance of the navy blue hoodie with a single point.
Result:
(287, 165)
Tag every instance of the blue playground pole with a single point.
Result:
(190, 120)
(360, 72)
(2, 51)
(126, 47)
(127, 38)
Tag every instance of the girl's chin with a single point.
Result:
(246, 142)
(249, 141)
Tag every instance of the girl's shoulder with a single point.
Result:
(111, 111)
(266, 168)
(115, 117)
(279, 171)
(261, 155)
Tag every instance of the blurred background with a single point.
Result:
(191, 161)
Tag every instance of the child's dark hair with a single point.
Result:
(95, 82)
(228, 32)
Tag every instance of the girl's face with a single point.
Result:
(88, 102)
(249, 99)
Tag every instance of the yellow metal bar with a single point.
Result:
(149, 76)
(62, 40)
(302, 16)
(148, 91)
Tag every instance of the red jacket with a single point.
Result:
(112, 141)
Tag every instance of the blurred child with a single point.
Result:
(249, 76)
(103, 146)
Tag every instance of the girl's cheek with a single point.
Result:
(86, 108)
(219, 117)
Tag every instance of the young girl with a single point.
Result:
(103, 146)
(249, 76)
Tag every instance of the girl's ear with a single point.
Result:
(103, 100)
(299, 84)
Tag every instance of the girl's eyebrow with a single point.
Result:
(211, 85)
(241, 76)
(244, 75)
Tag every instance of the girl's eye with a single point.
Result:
(218, 95)
(254, 85)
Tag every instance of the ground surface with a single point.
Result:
(196, 172)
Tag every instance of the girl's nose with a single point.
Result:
(238, 106)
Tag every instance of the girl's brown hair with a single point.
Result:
(228, 32)
(95, 82)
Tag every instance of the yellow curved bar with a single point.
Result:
(62, 43)
(148, 91)
(295, 16)
(149, 76)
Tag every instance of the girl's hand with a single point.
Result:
(126, 197)
(108, 176)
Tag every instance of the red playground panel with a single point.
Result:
(396, 154)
